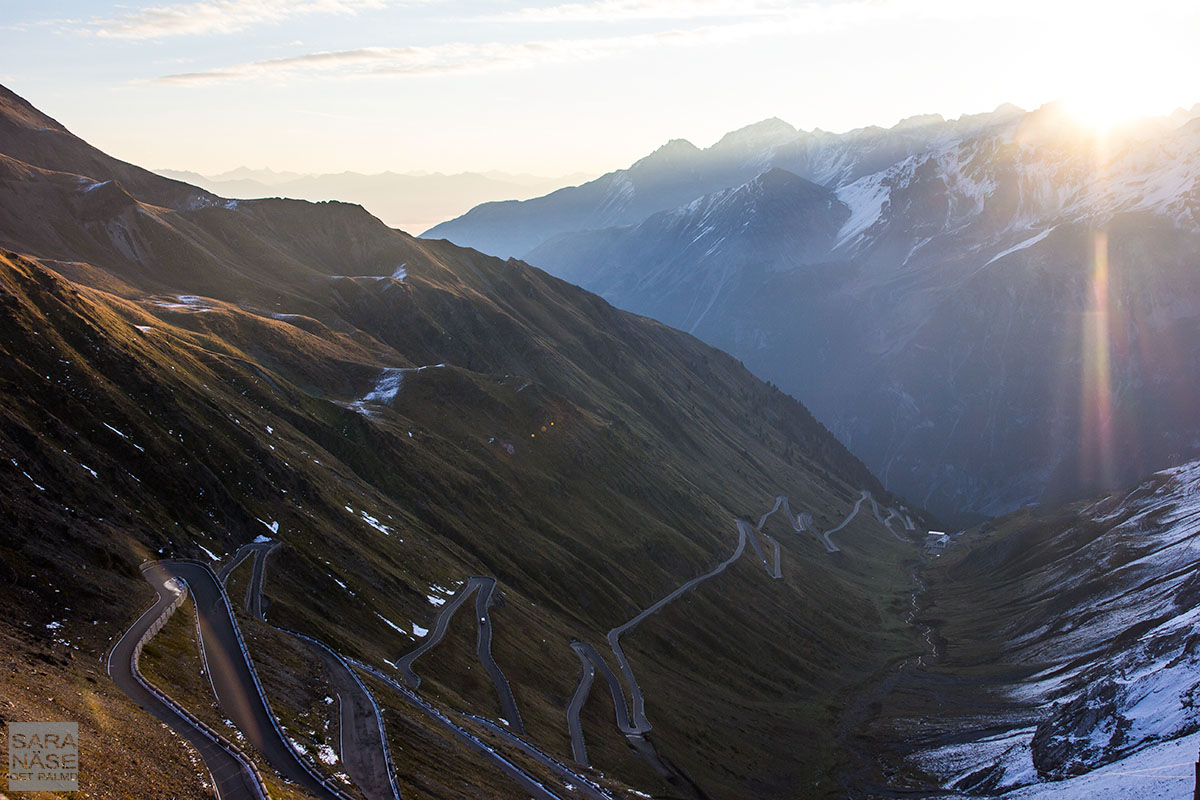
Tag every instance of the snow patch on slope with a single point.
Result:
(391, 624)
(387, 387)
(1030, 242)
(1161, 771)
(1120, 673)
(865, 198)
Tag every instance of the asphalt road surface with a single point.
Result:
(829, 545)
(362, 746)
(635, 724)
(582, 689)
(591, 661)
(234, 680)
(893, 514)
(232, 776)
(572, 777)
(483, 587)
(362, 741)
(640, 724)
(254, 593)
(527, 781)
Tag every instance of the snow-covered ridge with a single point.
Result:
(865, 198)
(1119, 672)
(1053, 182)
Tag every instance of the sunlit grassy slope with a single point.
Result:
(180, 376)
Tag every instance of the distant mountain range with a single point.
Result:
(929, 290)
(411, 202)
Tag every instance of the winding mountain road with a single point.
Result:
(243, 552)
(235, 682)
(829, 545)
(591, 661)
(635, 724)
(233, 776)
(575, 705)
(874, 505)
(572, 777)
(362, 742)
(887, 523)
(781, 501)
(532, 785)
(230, 671)
(362, 739)
(641, 725)
(483, 588)
(254, 593)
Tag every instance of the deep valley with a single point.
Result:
(297, 505)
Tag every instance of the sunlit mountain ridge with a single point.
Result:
(938, 308)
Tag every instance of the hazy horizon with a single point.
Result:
(552, 88)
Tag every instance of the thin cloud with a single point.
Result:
(760, 18)
(217, 16)
(460, 57)
(443, 59)
(24, 27)
(630, 10)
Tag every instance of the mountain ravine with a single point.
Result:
(298, 506)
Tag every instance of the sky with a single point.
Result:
(556, 87)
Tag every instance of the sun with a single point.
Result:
(1114, 105)
(1099, 112)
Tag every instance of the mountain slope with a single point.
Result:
(679, 172)
(693, 253)
(1066, 655)
(32, 137)
(949, 329)
(672, 175)
(184, 374)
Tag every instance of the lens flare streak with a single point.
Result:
(1098, 460)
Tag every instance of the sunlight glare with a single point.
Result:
(1097, 413)
(1117, 103)
(1097, 111)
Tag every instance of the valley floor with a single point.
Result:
(1067, 663)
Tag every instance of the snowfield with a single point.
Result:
(1115, 700)
(1165, 770)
